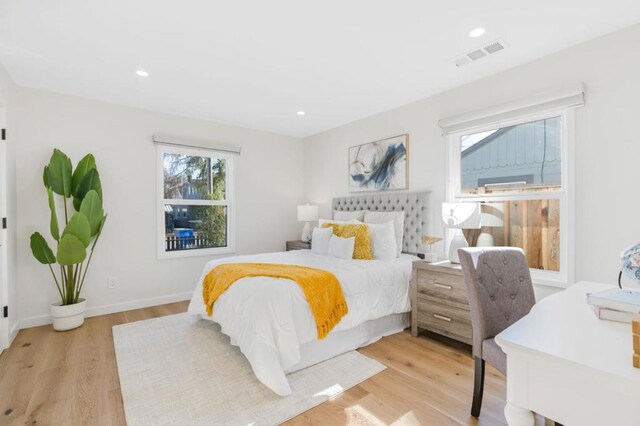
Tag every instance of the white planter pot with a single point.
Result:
(68, 317)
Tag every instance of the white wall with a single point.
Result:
(607, 145)
(276, 173)
(269, 187)
(7, 89)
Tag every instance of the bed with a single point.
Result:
(270, 320)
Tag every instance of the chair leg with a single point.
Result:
(478, 387)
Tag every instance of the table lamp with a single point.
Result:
(307, 214)
(460, 216)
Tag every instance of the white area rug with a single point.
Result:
(178, 370)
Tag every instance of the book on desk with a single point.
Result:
(622, 305)
(615, 304)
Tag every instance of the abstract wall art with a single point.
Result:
(380, 166)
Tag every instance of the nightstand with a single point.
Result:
(439, 300)
(297, 245)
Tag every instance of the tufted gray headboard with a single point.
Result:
(416, 205)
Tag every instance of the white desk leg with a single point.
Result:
(518, 416)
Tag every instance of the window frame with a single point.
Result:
(566, 194)
(229, 201)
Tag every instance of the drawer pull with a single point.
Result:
(447, 287)
(442, 317)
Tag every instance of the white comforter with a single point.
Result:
(269, 318)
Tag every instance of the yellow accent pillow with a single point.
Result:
(362, 249)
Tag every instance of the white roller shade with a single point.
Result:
(196, 143)
(569, 97)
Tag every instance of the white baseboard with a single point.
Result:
(94, 311)
(14, 331)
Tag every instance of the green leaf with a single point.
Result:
(41, 250)
(90, 181)
(79, 226)
(55, 231)
(45, 177)
(83, 167)
(71, 250)
(59, 176)
(102, 222)
(104, 219)
(91, 207)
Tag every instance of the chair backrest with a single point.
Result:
(499, 288)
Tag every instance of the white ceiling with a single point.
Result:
(255, 63)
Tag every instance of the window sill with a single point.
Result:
(180, 254)
(549, 279)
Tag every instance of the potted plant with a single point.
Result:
(80, 190)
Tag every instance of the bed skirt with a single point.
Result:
(339, 342)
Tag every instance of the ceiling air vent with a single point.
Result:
(480, 53)
(494, 47)
(476, 54)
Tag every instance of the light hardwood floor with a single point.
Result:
(70, 378)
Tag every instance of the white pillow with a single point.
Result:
(339, 222)
(320, 240)
(383, 240)
(384, 217)
(341, 247)
(357, 215)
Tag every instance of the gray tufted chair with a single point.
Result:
(500, 293)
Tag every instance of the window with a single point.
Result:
(523, 156)
(520, 171)
(195, 212)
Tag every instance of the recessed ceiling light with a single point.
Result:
(301, 113)
(142, 73)
(477, 32)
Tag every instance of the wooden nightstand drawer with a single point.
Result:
(444, 319)
(443, 286)
(439, 301)
(298, 245)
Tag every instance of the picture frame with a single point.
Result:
(381, 165)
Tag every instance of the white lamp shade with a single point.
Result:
(461, 215)
(307, 213)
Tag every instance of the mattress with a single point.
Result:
(269, 318)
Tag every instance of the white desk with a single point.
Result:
(569, 366)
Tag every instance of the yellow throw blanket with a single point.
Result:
(321, 288)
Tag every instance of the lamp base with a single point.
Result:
(485, 240)
(459, 241)
(306, 232)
